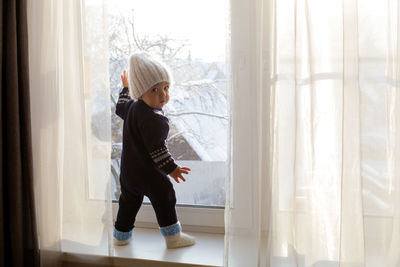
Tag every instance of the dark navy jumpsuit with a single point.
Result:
(145, 163)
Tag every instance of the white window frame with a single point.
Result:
(193, 218)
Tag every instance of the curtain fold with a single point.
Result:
(71, 129)
(320, 81)
(18, 235)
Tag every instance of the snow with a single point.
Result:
(199, 109)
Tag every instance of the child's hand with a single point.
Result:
(177, 173)
(124, 79)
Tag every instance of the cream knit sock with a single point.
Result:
(175, 238)
(179, 240)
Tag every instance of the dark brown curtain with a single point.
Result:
(18, 236)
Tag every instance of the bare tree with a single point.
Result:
(125, 39)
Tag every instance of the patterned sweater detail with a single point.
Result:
(124, 101)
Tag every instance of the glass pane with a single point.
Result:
(190, 37)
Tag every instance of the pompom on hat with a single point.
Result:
(145, 72)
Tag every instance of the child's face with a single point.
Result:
(157, 96)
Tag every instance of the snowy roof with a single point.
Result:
(199, 111)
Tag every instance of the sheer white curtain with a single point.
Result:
(71, 144)
(316, 134)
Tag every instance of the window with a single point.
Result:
(190, 37)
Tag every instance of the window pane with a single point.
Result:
(190, 37)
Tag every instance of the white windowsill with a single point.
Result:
(147, 248)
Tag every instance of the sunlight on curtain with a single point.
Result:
(322, 188)
(71, 145)
(45, 131)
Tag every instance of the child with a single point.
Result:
(145, 160)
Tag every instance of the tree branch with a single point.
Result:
(198, 113)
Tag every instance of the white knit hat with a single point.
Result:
(145, 72)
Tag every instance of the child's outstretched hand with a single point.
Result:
(124, 79)
(177, 173)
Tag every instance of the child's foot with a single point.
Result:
(175, 238)
(179, 240)
(122, 238)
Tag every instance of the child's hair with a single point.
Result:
(145, 72)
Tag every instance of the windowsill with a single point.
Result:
(147, 248)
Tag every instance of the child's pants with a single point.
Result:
(162, 198)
